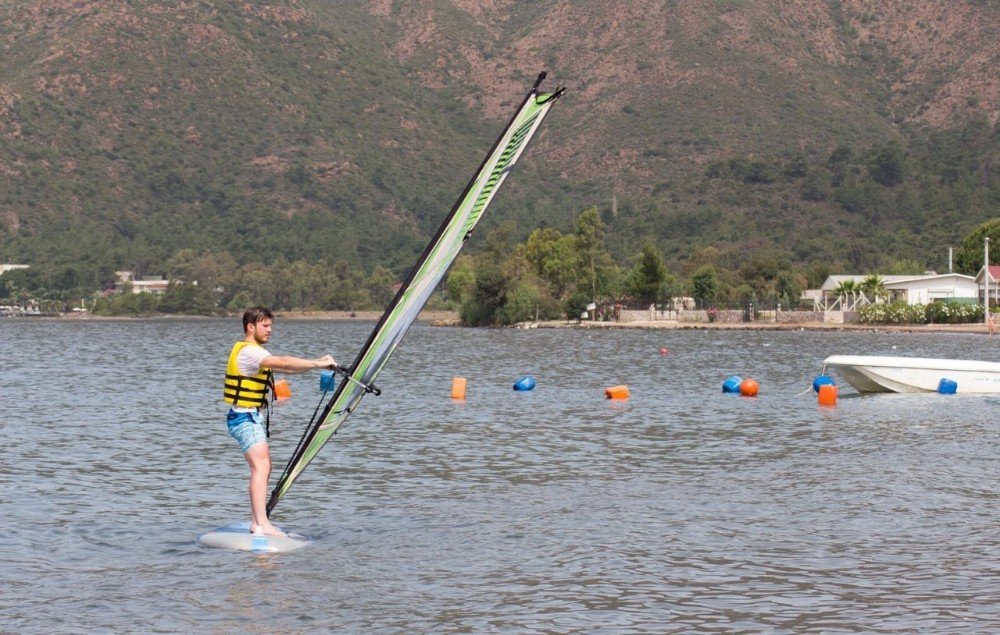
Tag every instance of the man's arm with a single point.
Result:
(289, 364)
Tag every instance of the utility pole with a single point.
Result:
(986, 280)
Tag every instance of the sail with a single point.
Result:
(423, 279)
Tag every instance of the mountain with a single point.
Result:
(852, 132)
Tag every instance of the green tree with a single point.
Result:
(906, 267)
(576, 304)
(525, 301)
(705, 285)
(743, 294)
(840, 162)
(180, 266)
(257, 283)
(129, 304)
(789, 286)
(873, 286)
(554, 258)
(858, 195)
(240, 302)
(645, 280)
(307, 285)
(461, 281)
(213, 270)
(816, 185)
(379, 285)
(969, 257)
(671, 288)
(540, 246)
(500, 241)
(489, 295)
(847, 289)
(817, 272)
(186, 299)
(610, 282)
(887, 166)
(760, 273)
(590, 233)
(347, 291)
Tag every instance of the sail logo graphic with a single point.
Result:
(499, 170)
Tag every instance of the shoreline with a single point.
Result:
(766, 326)
(444, 318)
(450, 318)
(362, 316)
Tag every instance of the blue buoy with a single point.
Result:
(947, 386)
(823, 380)
(327, 380)
(732, 385)
(525, 383)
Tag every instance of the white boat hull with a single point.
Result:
(915, 374)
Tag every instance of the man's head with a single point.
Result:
(257, 322)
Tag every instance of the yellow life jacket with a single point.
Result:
(241, 390)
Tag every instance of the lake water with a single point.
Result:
(554, 510)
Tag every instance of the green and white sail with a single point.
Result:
(423, 279)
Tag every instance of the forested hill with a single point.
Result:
(854, 133)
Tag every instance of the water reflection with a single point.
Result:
(552, 510)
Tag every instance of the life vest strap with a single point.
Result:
(250, 389)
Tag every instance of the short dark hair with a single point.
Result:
(255, 314)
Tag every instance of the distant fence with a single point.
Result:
(651, 314)
(731, 316)
(634, 313)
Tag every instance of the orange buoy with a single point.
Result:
(616, 392)
(458, 388)
(282, 390)
(664, 350)
(827, 395)
(749, 388)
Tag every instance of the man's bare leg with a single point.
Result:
(259, 458)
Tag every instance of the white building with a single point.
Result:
(5, 268)
(150, 284)
(922, 289)
(928, 288)
(145, 284)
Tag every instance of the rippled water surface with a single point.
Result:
(554, 510)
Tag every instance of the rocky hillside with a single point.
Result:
(311, 129)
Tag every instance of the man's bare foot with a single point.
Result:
(266, 530)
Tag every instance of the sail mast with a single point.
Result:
(421, 282)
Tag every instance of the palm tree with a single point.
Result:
(873, 286)
(847, 289)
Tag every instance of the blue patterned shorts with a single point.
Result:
(247, 428)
